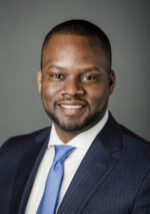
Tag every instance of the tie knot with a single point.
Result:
(62, 152)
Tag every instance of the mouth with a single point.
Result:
(71, 106)
(72, 109)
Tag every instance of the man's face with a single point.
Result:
(74, 82)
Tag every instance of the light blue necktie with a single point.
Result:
(50, 197)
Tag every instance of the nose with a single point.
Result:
(72, 88)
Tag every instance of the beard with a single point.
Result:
(73, 126)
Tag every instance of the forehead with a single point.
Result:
(65, 41)
(73, 47)
(74, 38)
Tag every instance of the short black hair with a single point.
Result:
(82, 28)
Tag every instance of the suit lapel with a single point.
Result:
(27, 169)
(95, 167)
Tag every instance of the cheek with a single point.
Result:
(49, 91)
(97, 96)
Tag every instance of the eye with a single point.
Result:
(57, 76)
(88, 78)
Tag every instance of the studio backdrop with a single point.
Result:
(23, 26)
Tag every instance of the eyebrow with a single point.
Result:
(56, 67)
(92, 68)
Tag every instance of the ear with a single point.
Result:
(112, 81)
(39, 80)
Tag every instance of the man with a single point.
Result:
(109, 168)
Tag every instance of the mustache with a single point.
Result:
(72, 100)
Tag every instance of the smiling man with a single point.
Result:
(75, 82)
(106, 168)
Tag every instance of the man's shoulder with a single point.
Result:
(131, 136)
(130, 143)
(22, 142)
(134, 145)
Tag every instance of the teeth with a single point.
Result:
(71, 106)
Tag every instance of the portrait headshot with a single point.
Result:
(75, 108)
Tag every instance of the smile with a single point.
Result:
(72, 106)
(72, 109)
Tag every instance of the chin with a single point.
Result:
(71, 125)
(76, 125)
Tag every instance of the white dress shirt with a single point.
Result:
(82, 143)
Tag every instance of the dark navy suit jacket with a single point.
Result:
(113, 178)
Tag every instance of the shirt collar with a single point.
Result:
(79, 141)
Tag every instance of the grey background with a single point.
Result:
(23, 25)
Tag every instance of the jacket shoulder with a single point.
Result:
(17, 156)
(132, 137)
(135, 147)
(16, 144)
